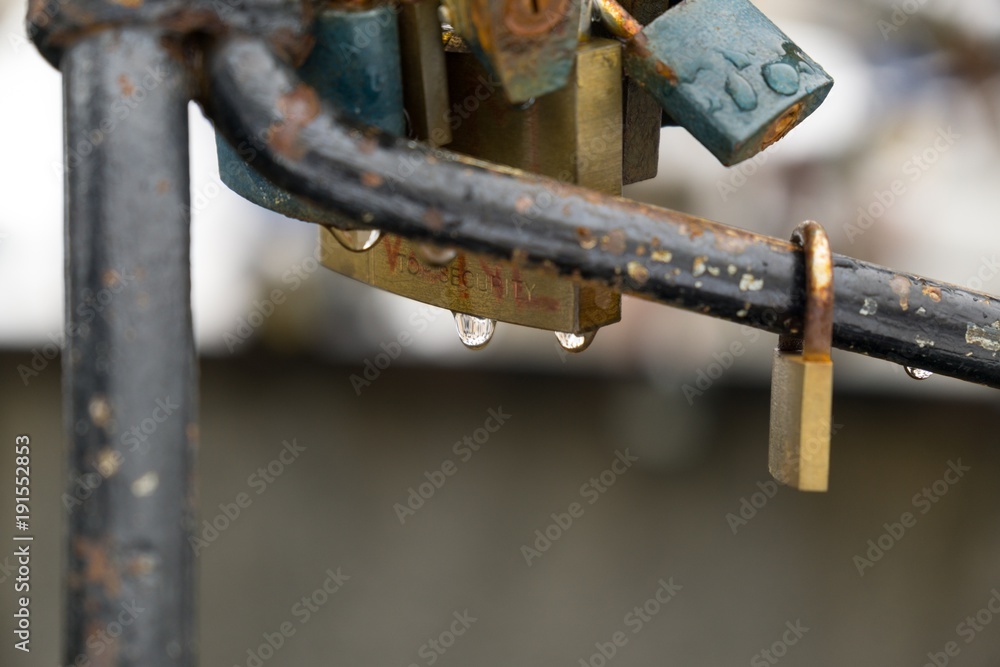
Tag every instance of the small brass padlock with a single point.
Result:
(573, 134)
(802, 377)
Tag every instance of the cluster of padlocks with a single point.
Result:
(576, 90)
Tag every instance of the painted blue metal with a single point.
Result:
(728, 75)
(354, 66)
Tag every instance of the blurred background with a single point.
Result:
(905, 73)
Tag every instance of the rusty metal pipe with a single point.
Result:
(129, 369)
(258, 103)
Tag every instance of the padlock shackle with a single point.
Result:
(817, 335)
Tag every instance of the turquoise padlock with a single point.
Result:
(355, 66)
(725, 72)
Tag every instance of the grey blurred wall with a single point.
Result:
(670, 517)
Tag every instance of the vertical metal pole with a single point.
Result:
(129, 367)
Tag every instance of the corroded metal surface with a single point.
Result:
(129, 364)
(54, 25)
(670, 257)
(355, 65)
(528, 44)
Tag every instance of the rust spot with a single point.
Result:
(367, 145)
(126, 85)
(667, 72)
(192, 433)
(901, 287)
(586, 239)
(298, 108)
(782, 125)
(96, 566)
(523, 204)
(933, 293)
(111, 278)
(371, 180)
(434, 218)
(614, 242)
(131, 4)
(731, 243)
(163, 186)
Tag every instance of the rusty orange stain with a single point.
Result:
(932, 292)
(298, 108)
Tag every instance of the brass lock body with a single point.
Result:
(573, 135)
(802, 378)
(477, 284)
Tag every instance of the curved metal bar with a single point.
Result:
(278, 124)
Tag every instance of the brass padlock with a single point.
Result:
(573, 135)
(802, 377)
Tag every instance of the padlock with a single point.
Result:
(723, 71)
(355, 65)
(642, 115)
(528, 44)
(573, 134)
(425, 82)
(477, 286)
(802, 377)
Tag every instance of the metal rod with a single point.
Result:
(403, 187)
(129, 366)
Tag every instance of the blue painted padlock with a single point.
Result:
(728, 75)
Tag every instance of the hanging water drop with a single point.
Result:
(356, 240)
(572, 342)
(917, 373)
(434, 255)
(475, 332)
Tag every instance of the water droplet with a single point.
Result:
(917, 373)
(739, 60)
(475, 332)
(572, 342)
(741, 91)
(782, 78)
(356, 240)
(435, 255)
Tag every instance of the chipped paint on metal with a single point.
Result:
(638, 272)
(750, 284)
(901, 287)
(987, 337)
(662, 256)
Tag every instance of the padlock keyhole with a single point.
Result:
(533, 18)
